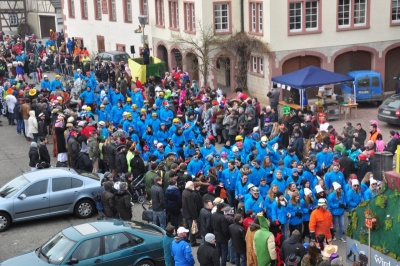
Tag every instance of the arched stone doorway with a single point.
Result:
(192, 66)
(223, 73)
(353, 60)
(296, 63)
(162, 53)
(176, 58)
(392, 69)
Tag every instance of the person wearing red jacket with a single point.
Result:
(321, 222)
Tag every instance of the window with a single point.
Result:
(116, 242)
(257, 65)
(352, 14)
(222, 18)
(144, 9)
(190, 18)
(64, 183)
(128, 11)
(13, 19)
(160, 12)
(304, 16)
(256, 18)
(173, 15)
(71, 8)
(113, 10)
(97, 9)
(37, 188)
(87, 249)
(396, 11)
(121, 47)
(376, 82)
(84, 9)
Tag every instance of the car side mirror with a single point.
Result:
(22, 196)
(73, 261)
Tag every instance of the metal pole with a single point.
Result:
(369, 245)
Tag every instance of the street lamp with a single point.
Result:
(143, 21)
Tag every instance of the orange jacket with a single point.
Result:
(373, 136)
(321, 222)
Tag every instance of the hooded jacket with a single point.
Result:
(292, 245)
(33, 155)
(250, 249)
(32, 123)
(173, 200)
(123, 201)
(264, 243)
(182, 252)
(108, 201)
(83, 162)
(207, 255)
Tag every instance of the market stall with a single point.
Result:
(311, 77)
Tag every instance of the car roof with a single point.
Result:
(50, 172)
(99, 228)
(114, 52)
(362, 72)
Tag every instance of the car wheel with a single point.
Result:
(84, 208)
(141, 199)
(5, 221)
(145, 263)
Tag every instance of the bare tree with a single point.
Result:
(203, 44)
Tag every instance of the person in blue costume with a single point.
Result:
(160, 152)
(116, 114)
(227, 147)
(162, 134)
(116, 97)
(250, 141)
(128, 105)
(195, 165)
(129, 122)
(229, 178)
(279, 181)
(264, 188)
(166, 115)
(242, 189)
(254, 201)
(171, 147)
(294, 178)
(354, 195)
(207, 149)
(308, 205)
(269, 168)
(149, 135)
(279, 212)
(291, 155)
(334, 176)
(56, 83)
(190, 149)
(337, 205)
(179, 141)
(296, 213)
(141, 125)
(286, 172)
(324, 158)
(372, 191)
(270, 199)
(257, 172)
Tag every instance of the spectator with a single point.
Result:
(293, 245)
(158, 203)
(264, 243)
(189, 210)
(205, 219)
(123, 202)
(207, 255)
(180, 249)
(221, 231)
(108, 200)
(238, 235)
(173, 200)
(167, 243)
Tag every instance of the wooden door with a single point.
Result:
(47, 23)
(101, 44)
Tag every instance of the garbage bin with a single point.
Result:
(383, 161)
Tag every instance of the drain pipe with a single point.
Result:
(241, 16)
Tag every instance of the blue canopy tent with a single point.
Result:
(310, 77)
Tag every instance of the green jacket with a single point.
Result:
(149, 180)
(264, 243)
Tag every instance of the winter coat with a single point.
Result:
(391, 146)
(182, 252)
(207, 255)
(238, 235)
(42, 128)
(189, 205)
(220, 227)
(83, 162)
(108, 201)
(121, 165)
(25, 108)
(112, 148)
(73, 148)
(149, 180)
(33, 156)
(167, 242)
(353, 198)
(123, 201)
(44, 153)
(61, 144)
(157, 197)
(296, 213)
(250, 248)
(333, 203)
(137, 166)
(292, 245)
(332, 176)
(205, 222)
(321, 223)
(173, 200)
(264, 243)
(94, 151)
(32, 123)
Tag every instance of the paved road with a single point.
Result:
(29, 235)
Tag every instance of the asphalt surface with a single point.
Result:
(26, 236)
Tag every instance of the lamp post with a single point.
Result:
(143, 21)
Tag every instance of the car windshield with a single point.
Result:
(121, 57)
(393, 103)
(87, 174)
(12, 187)
(57, 248)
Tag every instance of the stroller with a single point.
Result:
(138, 193)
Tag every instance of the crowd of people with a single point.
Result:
(253, 185)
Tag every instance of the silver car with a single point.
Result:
(48, 192)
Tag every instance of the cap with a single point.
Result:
(250, 186)
(255, 190)
(175, 120)
(228, 209)
(294, 170)
(373, 181)
(210, 188)
(238, 138)
(362, 157)
(322, 202)
(329, 250)
(292, 259)
(318, 189)
(102, 123)
(128, 99)
(336, 185)
(209, 237)
(154, 114)
(278, 194)
(41, 114)
(182, 230)
(355, 182)
(307, 191)
(159, 145)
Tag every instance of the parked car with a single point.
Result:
(368, 86)
(108, 242)
(389, 111)
(48, 192)
(115, 56)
